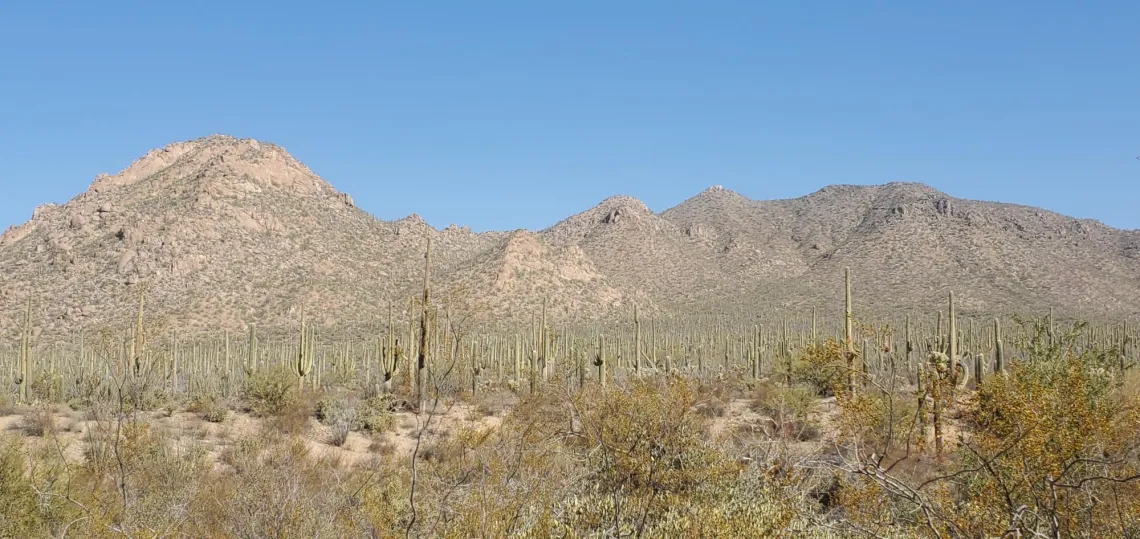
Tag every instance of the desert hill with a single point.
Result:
(224, 232)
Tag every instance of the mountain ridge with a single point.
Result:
(227, 232)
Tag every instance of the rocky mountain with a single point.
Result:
(909, 244)
(223, 232)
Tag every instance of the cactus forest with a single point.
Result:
(806, 424)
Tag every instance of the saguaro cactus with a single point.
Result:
(138, 343)
(25, 354)
(543, 345)
(600, 360)
(999, 349)
(421, 361)
(953, 336)
(251, 354)
(390, 355)
(814, 336)
(174, 363)
(849, 330)
(304, 363)
(979, 366)
(908, 345)
(939, 373)
(517, 355)
(636, 342)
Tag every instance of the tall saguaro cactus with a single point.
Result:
(908, 345)
(390, 355)
(999, 349)
(953, 336)
(421, 361)
(600, 360)
(543, 345)
(304, 363)
(636, 342)
(849, 330)
(251, 354)
(814, 336)
(25, 354)
(138, 343)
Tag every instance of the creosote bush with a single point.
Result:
(790, 409)
(269, 392)
(209, 407)
(822, 366)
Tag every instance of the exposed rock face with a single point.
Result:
(225, 232)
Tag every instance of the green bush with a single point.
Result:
(19, 510)
(374, 414)
(209, 407)
(822, 366)
(269, 392)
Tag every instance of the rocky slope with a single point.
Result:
(223, 232)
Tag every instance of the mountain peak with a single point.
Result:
(901, 189)
(625, 202)
(719, 190)
(218, 158)
(912, 189)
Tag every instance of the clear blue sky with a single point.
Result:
(503, 115)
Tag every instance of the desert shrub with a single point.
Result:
(344, 413)
(38, 421)
(753, 506)
(85, 389)
(161, 476)
(269, 392)
(374, 414)
(879, 420)
(148, 399)
(98, 448)
(135, 478)
(522, 468)
(381, 446)
(281, 490)
(1050, 449)
(1055, 423)
(19, 504)
(294, 417)
(822, 366)
(645, 452)
(711, 408)
(789, 408)
(338, 412)
(48, 387)
(209, 407)
(7, 405)
(493, 403)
